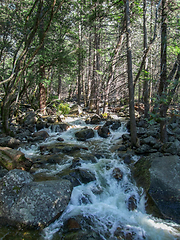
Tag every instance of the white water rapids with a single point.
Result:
(104, 201)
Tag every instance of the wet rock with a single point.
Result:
(159, 176)
(84, 134)
(72, 224)
(59, 139)
(114, 124)
(103, 132)
(132, 203)
(85, 199)
(41, 135)
(95, 119)
(75, 163)
(83, 235)
(79, 176)
(59, 127)
(32, 204)
(122, 148)
(127, 159)
(42, 149)
(125, 233)
(126, 137)
(11, 158)
(117, 174)
(61, 147)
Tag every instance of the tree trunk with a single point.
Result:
(130, 80)
(42, 89)
(98, 83)
(5, 113)
(89, 70)
(79, 64)
(146, 81)
(42, 98)
(59, 87)
(163, 79)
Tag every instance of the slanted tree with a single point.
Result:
(22, 50)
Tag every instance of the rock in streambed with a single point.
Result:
(26, 203)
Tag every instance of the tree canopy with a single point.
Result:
(61, 49)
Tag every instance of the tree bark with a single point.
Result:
(146, 81)
(130, 80)
(59, 87)
(79, 63)
(163, 78)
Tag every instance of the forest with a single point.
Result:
(103, 54)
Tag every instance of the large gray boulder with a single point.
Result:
(160, 178)
(31, 204)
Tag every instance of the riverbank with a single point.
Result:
(95, 157)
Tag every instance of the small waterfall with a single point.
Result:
(103, 203)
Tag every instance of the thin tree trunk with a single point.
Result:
(59, 87)
(130, 80)
(163, 79)
(89, 71)
(146, 81)
(42, 89)
(79, 65)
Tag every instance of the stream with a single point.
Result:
(103, 203)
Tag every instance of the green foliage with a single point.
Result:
(105, 115)
(63, 108)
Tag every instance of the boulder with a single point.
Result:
(132, 203)
(159, 176)
(114, 124)
(103, 131)
(32, 204)
(60, 127)
(172, 147)
(79, 176)
(117, 174)
(11, 158)
(41, 135)
(95, 119)
(84, 134)
(9, 142)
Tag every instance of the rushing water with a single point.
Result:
(104, 202)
